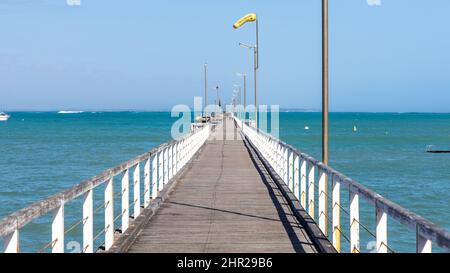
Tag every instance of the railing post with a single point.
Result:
(166, 166)
(125, 200)
(296, 177)
(58, 229)
(169, 163)
(285, 166)
(278, 159)
(311, 190)
(160, 170)
(290, 169)
(185, 151)
(11, 242)
(336, 213)
(175, 157)
(271, 153)
(303, 184)
(381, 230)
(354, 222)
(88, 222)
(147, 189)
(109, 214)
(137, 191)
(423, 245)
(323, 202)
(154, 183)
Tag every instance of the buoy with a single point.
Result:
(306, 127)
(354, 128)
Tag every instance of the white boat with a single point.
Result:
(3, 116)
(70, 112)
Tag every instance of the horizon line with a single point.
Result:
(282, 110)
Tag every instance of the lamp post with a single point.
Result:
(217, 98)
(206, 91)
(255, 76)
(251, 17)
(325, 119)
(238, 92)
(245, 90)
(325, 81)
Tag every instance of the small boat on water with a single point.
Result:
(4, 116)
(433, 150)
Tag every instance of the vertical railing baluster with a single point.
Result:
(175, 159)
(311, 190)
(280, 161)
(285, 166)
(11, 242)
(137, 191)
(125, 200)
(336, 203)
(381, 230)
(154, 183)
(296, 177)
(278, 158)
(303, 184)
(354, 222)
(88, 222)
(290, 169)
(58, 229)
(166, 166)
(109, 214)
(160, 170)
(147, 186)
(169, 163)
(423, 245)
(272, 154)
(322, 194)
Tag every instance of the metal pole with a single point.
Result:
(206, 90)
(325, 100)
(217, 97)
(245, 95)
(256, 65)
(325, 81)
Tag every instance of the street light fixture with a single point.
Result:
(251, 17)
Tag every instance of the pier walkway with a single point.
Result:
(225, 202)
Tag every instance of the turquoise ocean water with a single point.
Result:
(44, 153)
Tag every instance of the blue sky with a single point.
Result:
(149, 55)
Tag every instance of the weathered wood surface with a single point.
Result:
(224, 204)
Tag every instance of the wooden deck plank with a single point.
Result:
(223, 204)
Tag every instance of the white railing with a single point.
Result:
(160, 166)
(298, 170)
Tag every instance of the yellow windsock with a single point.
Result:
(247, 18)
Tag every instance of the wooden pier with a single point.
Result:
(225, 202)
(224, 187)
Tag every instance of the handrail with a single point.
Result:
(165, 160)
(291, 166)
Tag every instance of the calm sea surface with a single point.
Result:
(44, 153)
